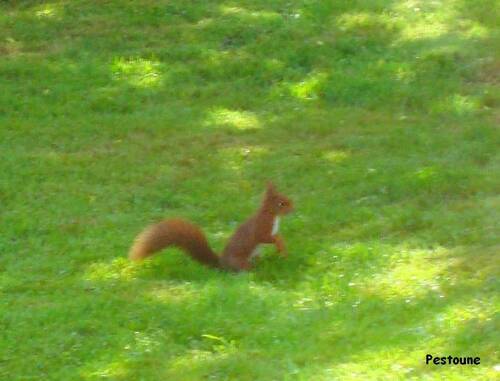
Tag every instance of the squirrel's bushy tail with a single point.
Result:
(178, 233)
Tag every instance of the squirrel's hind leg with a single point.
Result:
(255, 253)
(236, 264)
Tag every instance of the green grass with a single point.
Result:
(378, 118)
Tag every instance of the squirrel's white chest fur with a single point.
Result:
(276, 225)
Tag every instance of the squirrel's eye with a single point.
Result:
(281, 203)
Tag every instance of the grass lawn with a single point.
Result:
(379, 118)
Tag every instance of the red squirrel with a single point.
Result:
(260, 228)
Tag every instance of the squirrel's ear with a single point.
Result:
(270, 187)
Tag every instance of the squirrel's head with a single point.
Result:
(277, 202)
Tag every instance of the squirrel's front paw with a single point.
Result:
(281, 249)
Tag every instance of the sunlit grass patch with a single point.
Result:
(458, 104)
(49, 10)
(411, 274)
(116, 370)
(475, 30)
(368, 25)
(239, 120)
(424, 29)
(426, 173)
(425, 19)
(142, 348)
(138, 72)
(309, 87)
(178, 293)
(335, 156)
(472, 311)
(120, 269)
(248, 14)
(377, 364)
